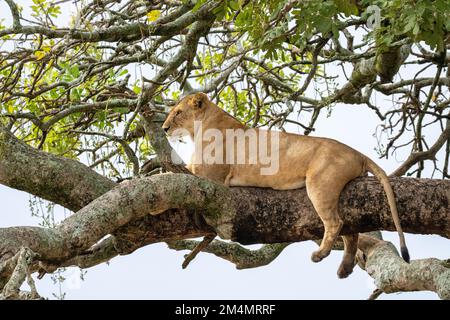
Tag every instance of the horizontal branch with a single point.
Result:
(271, 216)
(125, 33)
(255, 215)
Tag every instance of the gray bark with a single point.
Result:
(392, 274)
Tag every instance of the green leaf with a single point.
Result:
(348, 7)
(234, 5)
(122, 110)
(324, 26)
(74, 71)
(416, 30)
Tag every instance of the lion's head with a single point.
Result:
(185, 112)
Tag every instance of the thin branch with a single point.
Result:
(243, 258)
(429, 154)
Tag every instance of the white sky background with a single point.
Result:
(154, 272)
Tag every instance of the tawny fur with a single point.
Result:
(323, 165)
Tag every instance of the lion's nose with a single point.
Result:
(166, 129)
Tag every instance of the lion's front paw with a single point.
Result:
(318, 255)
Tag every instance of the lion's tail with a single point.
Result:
(373, 168)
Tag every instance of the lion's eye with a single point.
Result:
(178, 112)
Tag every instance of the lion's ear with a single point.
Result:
(199, 99)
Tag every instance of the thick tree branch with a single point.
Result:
(64, 181)
(127, 202)
(392, 274)
(255, 215)
(167, 157)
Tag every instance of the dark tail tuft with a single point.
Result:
(405, 254)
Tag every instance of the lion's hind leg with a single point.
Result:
(324, 187)
(348, 261)
(325, 201)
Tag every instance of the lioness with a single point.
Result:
(323, 165)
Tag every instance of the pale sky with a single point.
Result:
(155, 272)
